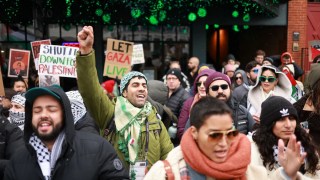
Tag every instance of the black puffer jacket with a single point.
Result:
(242, 119)
(176, 100)
(83, 156)
(11, 139)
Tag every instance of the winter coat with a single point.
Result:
(87, 124)
(257, 161)
(255, 94)
(83, 155)
(176, 100)
(175, 159)
(298, 72)
(11, 139)
(240, 95)
(312, 119)
(244, 77)
(102, 110)
(185, 82)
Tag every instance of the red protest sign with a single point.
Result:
(35, 47)
(18, 63)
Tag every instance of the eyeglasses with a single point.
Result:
(198, 84)
(255, 71)
(216, 87)
(269, 79)
(238, 78)
(230, 134)
(172, 79)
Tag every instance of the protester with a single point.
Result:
(19, 85)
(267, 61)
(279, 121)
(17, 110)
(308, 106)
(252, 69)
(260, 54)
(240, 92)
(193, 66)
(271, 82)
(82, 119)
(185, 82)
(286, 59)
(200, 91)
(129, 122)
(54, 150)
(212, 149)
(11, 139)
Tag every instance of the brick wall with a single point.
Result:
(297, 22)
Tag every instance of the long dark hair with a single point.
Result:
(265, 140)
(314, 95)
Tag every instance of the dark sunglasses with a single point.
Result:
(238, 78)
(269, 79)
(198, 84)
(255, 71)
(230, 134)
(216, 87)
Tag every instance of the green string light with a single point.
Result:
(246, 17)
(106, 18)
(236, 28)
(192, 17)
(162, 15)
(235, 14)
(153, 20)
(207, 26)
(245, 27)
(99, 12)
(202, 12)
(135, 13)
(216, 26)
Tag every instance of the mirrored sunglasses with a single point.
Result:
(269, 79)
(217, 136)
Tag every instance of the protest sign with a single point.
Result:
(137, 54)
(57, 60)
(118, 58)
(48, 80)
(314, 50)
(1, 85)
(35, 47)
(18, 63)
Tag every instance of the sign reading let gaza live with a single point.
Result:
(118, 58)
(57, 60)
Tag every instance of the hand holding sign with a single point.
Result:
(85, 39)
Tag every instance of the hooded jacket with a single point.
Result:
(255, 95)
(186, 108)
(240, 93)
(83, 155)
(297, 71)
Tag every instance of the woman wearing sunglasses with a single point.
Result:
(279, 121)
(199, 91)
(213, 149)
(270, 82)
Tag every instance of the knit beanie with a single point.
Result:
(217, 76)
(229, 67)
(126, 79)
(19, 99)
(268, 59)
(176, 72)
(274, 108)
(108, 85)
(314, 75)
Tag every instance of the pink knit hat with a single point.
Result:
(229, 67)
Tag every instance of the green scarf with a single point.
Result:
(128, 120)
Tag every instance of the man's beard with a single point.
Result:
(224, 96)
(49, 137)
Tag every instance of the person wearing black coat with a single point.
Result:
(54, 149)
(11, 139)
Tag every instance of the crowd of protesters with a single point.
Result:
(259, 122)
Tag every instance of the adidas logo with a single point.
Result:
(284, 112)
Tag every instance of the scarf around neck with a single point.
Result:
(234, 167)
(46, 159)
(128, 120)
(17, 118)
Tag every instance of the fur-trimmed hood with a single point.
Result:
(283, 88)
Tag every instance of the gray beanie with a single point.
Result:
(126, 79)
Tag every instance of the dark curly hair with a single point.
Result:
(265, 140)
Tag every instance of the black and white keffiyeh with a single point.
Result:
(276, 152)
(46, 159)
(77, 106)
(17, 118)
(19, 99)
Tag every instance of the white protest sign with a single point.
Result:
(57, 60)
(137, 54)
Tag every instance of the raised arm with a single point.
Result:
(99, 105)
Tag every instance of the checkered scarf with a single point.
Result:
(46, 159)
(17, 118)
(77, 106)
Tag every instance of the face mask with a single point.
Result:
(17, 118)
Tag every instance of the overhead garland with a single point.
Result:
(155, 12)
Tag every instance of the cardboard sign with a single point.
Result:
(48, 80)
(18, 63)
(118, 58)
(57, 60)
(2, 93)
(35, 47)
(137, 54)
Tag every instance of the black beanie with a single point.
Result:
(274, 108)
(175, 72)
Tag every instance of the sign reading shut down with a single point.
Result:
(118, 58)
(57, 60)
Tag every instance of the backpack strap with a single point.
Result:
(168, 169)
